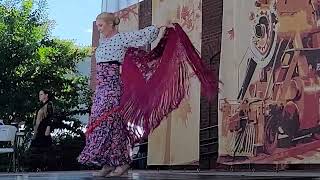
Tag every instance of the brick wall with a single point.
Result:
(145, 16)
(145, 13)
(210, 48)
(95, 40)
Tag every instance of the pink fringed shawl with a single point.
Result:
(156, 82)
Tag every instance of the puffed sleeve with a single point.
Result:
(139, 38)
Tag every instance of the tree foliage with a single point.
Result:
(30, 60)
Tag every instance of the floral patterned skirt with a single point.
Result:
(108, 144)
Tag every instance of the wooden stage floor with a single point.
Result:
(86, 175)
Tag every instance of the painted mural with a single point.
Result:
(270, 65)
(176, 141)
(129, 18)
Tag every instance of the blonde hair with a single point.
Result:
(109, 18)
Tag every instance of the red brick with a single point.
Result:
(95, 42)
(210, 45)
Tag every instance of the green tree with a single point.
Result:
(31, 60)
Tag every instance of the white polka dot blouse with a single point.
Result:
(114, 48)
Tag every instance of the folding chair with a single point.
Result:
(8, 134)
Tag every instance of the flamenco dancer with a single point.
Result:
(135, 90)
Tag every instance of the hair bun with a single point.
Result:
(116, 21)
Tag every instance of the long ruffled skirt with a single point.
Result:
(109, 143)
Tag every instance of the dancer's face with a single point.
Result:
(104, 27)
(43, 97)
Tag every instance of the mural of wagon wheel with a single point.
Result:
(271, 134)
(290, 120)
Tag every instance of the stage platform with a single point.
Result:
(145, 175)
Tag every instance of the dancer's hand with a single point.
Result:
(169, 24)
